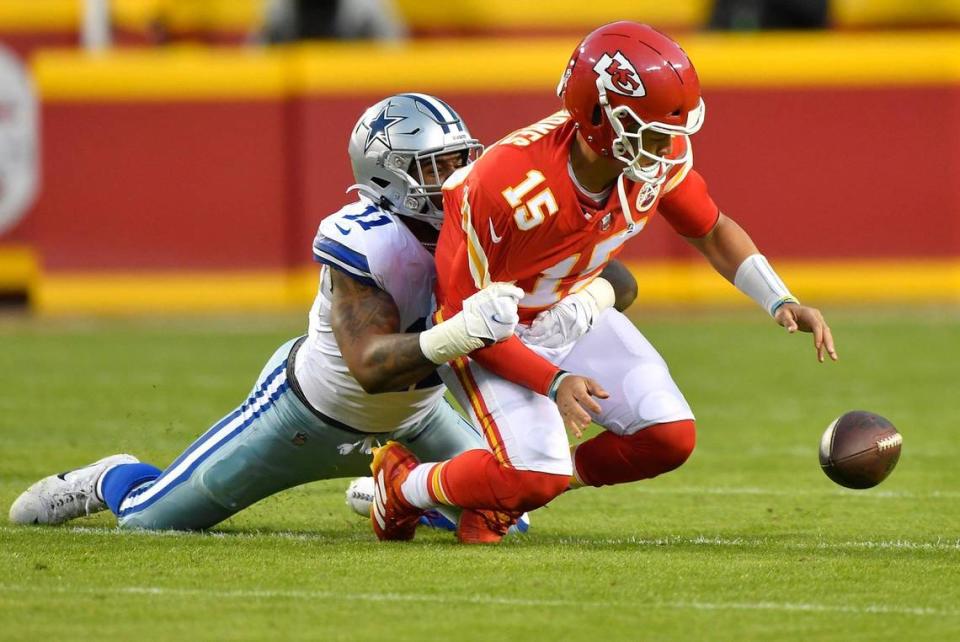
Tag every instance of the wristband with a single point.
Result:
(602, 293)
(757, 280)
(448, 340)
(557, 378)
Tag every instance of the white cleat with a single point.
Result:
(60, 498)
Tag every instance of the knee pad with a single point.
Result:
(669, 444)
(609, 458)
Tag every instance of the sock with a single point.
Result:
(609, 458)
(416, 487)
(575, 481)
(117, 482)
(475, 479)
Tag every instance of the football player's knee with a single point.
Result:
(531, 489)
(670, 443)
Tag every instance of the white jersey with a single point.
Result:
(376, 248)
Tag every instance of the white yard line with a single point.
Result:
(483, 600)
(950, 545)
(782, 492)
(942, 544)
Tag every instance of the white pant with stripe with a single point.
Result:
(524, 429)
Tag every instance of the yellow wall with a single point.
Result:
(858, 59)
(479, 15)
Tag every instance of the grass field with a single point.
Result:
(747, 541)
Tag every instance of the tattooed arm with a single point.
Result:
(366, 323)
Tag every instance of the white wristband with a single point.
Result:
(602, 293)
(757, 280)
(448, 340)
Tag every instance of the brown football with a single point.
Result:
(859, 449)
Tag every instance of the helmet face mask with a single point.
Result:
(613, 104)
(395, 148)
(641, 164)
(428, 169)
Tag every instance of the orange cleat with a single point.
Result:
(391, 516)
(483, 526)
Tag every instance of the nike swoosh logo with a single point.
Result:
(343, 231)
(493, 233)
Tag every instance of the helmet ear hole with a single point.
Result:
(597, 116)
(380, 181)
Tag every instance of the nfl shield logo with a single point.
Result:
(605, 222)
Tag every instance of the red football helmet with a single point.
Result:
(623, 79)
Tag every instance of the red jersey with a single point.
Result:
(517, 215)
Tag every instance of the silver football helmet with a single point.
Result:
(395, 145)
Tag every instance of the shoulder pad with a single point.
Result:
(347, 240)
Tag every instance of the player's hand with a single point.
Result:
(794, 316)
(491, 314)
(562, 324)
(575, 400)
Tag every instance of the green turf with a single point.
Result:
(747, 541)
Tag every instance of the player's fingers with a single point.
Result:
(507, 316)
(587, 402)
(787, 318)
(595, 389)
(508, 290)
(533, 334)
(542, 325)
(818, 340)
(828, 342)
(575, 417)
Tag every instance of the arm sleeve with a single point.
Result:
(468, 259)
(688, 207)
(515, 362)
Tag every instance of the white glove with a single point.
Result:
(488, 316)
(491, 313)
(571, 317)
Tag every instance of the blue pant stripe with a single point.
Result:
(189, 471)
(233, 415)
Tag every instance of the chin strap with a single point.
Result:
(625, 204)
(387, 204)
(366, 190)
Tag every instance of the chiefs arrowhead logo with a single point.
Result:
(647, 197)
(618, 75)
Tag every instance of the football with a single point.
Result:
(859, 449)
(360, 495)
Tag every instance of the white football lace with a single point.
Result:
(889, 442)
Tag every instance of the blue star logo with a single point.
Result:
(379, 127)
